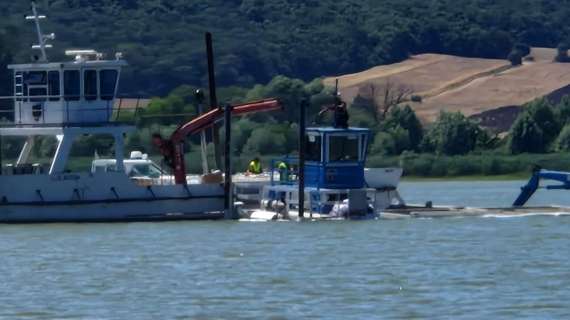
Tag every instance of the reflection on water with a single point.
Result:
(473, 268)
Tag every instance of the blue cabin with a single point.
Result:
(335, 157)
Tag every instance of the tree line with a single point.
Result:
(256, 40)
(398, 137)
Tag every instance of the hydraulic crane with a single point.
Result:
(173, 148)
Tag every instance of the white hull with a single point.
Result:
(103, 197)
(381, 178)
(152, 210)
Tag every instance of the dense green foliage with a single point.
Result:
(284, 45)
(538, 126)
(563, 141)
(452, 134)
(255, 40)
(400, 131)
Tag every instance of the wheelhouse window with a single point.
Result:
(71, 85)
(90, 84)
(35, 77)
(313, 148)
(108, 83)
(35, 84)
(39, 92)
(53, 85)
(343, 148)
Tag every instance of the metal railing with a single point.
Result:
(71, 104)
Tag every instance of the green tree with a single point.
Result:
(562, 53)
(563, 140)
(526, 136)
(523, 48)
(542, 111)
(562, 111)
(264, 141)
(515, 57)
(405, 118)
(392, 142)
(452, 134)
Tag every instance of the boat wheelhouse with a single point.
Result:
(337, 184)
(81, 91)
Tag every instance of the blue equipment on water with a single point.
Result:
(533, 184)
(335, 158)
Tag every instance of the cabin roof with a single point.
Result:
(338, 130)
(68, 64)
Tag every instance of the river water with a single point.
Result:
(458, 268)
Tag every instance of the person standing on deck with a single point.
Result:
(340, 112)
(254, 166)
(283, 171)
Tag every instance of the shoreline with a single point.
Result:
(501, 177)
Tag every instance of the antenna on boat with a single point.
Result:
(336, 93)
(42, 38)
(213, 98)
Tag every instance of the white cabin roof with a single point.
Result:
(68, 64)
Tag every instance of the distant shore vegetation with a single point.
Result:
(285, 44)
(454, 145)
(256, 40)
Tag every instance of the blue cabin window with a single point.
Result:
(71, 85)
(344, 148)
(90, 84)
(313, 148)
(107, 83)
(53, 85)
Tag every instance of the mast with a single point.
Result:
(42, 38)
(213, 99)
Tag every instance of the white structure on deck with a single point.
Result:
(68, 100)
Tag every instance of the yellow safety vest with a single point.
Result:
(254, 167)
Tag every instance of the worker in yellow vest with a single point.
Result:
(254, 166)
(283, 171)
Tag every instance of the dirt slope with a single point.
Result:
(471, 86)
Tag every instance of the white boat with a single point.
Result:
(66, 100)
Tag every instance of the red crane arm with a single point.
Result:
(207, 119)
(173, 148)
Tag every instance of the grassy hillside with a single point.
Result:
(473, 86)
(258, 39)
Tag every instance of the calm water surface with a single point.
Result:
(461, 268)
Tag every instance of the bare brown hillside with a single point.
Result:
(472, 86)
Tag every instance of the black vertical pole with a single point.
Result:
(1, 160)
(213, 98)
(229, 214)
(302, 129)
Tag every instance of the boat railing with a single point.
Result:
(120, 109)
